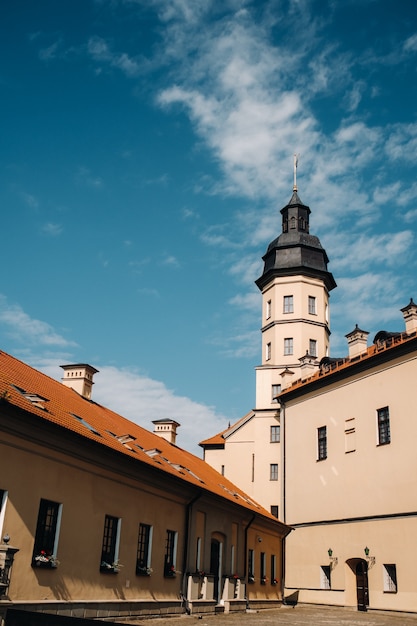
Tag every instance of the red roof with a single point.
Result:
(36, 393)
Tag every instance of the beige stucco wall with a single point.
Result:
(366, 497)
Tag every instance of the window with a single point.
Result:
(251, 566)
(275, 434)
(268, 352)
(222, 470)
(312, 305)
(274, 510)
(350, 435)
(143, 557)
(384, 434)
(46, 536)
(276, 390)
(3, 500)
(274, 568)
(170, 553)
(268, 309)
(312, 347)
(110, 547)
(273, 471)
(263, 568)
(288, 304)
(322, 443)
(288, 346)
(325, 582)
(390, 579)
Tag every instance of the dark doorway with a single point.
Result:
(362, 591)
(215, 565)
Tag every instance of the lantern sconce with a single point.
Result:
(370, 559)
(333, 559)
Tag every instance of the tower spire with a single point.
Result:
(295, 172)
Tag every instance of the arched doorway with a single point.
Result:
(362, 591)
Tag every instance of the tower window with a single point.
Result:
(275, 434)
(276, 390)
(273, 471)
(312, 348)
(384, 433)
(268, 351)
(288, 346)
(312, 305)
(268, 310)
(288, 304)
(322, 443)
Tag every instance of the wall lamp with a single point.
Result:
(333, 559)
(370, 559)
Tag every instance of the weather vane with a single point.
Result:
(295, 172)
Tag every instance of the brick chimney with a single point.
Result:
(167, 429)
(410, 316)
(80, 378)
(357, 341)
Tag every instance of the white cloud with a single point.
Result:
(52, 229)
(23, 329)
(101, 52)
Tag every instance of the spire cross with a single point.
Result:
(295, 172)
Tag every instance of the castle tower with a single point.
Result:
(295, 286)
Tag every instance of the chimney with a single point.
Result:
(308, 365)
(80, 378)
(410, 317)
(287, 378)
(357, 341)
(167, 429)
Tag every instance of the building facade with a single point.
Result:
(100, 518)
(331, 440)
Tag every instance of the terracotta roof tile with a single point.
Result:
(36, 393)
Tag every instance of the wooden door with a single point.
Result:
(362, 585)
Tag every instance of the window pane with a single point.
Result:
(322, 442)
(288, 304)
(311, 305)
(45, 536)
(288, 346)
(275, 434)
(384, 434)
(273, 471)
(390, 578)
(108, 551)
(313, 347)
(325, 582)
(143, 554)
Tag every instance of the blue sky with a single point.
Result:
(146, 151)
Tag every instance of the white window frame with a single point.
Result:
(268, 311)
(288, 304)
(273, 471)
(312, 308)
(268, 351)
(312, 347)
(288, 346)
(390, 578)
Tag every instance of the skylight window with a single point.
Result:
(86, 424)
(34, 398)
(153, 452)
(125, 438)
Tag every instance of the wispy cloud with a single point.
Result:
(101, 52)
(23, 329)
(51, 229)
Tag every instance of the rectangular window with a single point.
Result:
(390, 578)
(312, 305)
(275, 434)
(274, 510)
(276, 390)
(46, 536)
(110, 547)
(170, 553)
(325, 581)
(288, 346)
(288, 304)
(253, 467)
(274, 569)
(3, 500)
(312, 347)
(268, 309)
(350, 435)
(222, 470)
(268, 352)
(322, 443)
(273, 471)
(251, 566)
(198, 555)
(384, 434)
(143, 557)
(263, 568)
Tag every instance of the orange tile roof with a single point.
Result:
(220, 438)
(36, 393)
(340, 365)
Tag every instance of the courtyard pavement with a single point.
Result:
(289, 616)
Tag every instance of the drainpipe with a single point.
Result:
(186, 543)
(284, 508)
